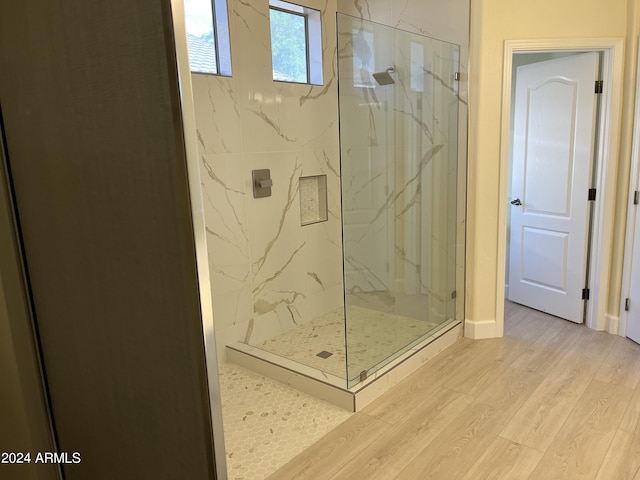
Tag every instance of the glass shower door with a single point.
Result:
(398, 140)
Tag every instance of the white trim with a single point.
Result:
(634, 179)
(602, 237)
(480, 329)
(200, 234)
(613, 324)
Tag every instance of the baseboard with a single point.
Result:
(479, 329)
(613, 324)
(622, 331)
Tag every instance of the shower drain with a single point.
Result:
(324, 354)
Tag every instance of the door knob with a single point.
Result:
(516, 202)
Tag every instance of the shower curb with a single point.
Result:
(327, 387)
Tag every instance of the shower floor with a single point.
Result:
(372, 335)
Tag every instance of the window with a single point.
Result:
(296, 43)
(207, 24)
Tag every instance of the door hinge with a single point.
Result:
(636, 197)
(456, 76)
(627, 305)
(454, 294)
(592, 194)
(599, 86)
(585, 294)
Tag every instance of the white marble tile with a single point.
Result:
(227, 242)
(323, 254)
(324, 240)
(426, 17)
(250, 41)
(232, 303)
(277, 239)
(323, 301)
(217, 114)
(379, 11)
(300, 102)
(225, 203)
(259, 96)
(272, 111)
(231, 290)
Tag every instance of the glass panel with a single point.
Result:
(399, 158)
(289, 46)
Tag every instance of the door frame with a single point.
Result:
(188, 121)
(606, 167)
(634, 179)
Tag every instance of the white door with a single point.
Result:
(553, 138)
(633, 318)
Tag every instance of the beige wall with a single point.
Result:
(493, 22)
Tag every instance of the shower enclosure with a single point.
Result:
(398, 112)
(399, 158)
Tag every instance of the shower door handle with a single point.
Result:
(516, 202)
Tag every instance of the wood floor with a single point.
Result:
(551, 400)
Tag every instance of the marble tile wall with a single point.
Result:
(268, 272)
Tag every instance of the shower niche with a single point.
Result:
(398, 111)
(313, 199)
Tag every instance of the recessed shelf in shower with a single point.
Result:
(313, 199)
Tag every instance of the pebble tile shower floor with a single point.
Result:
(266, 423)
(373, 336)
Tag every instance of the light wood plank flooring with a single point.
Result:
(551, 400)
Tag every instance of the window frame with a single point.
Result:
(306, 42)
(220, 50)
(313, 33)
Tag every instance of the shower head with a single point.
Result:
(384, 78)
